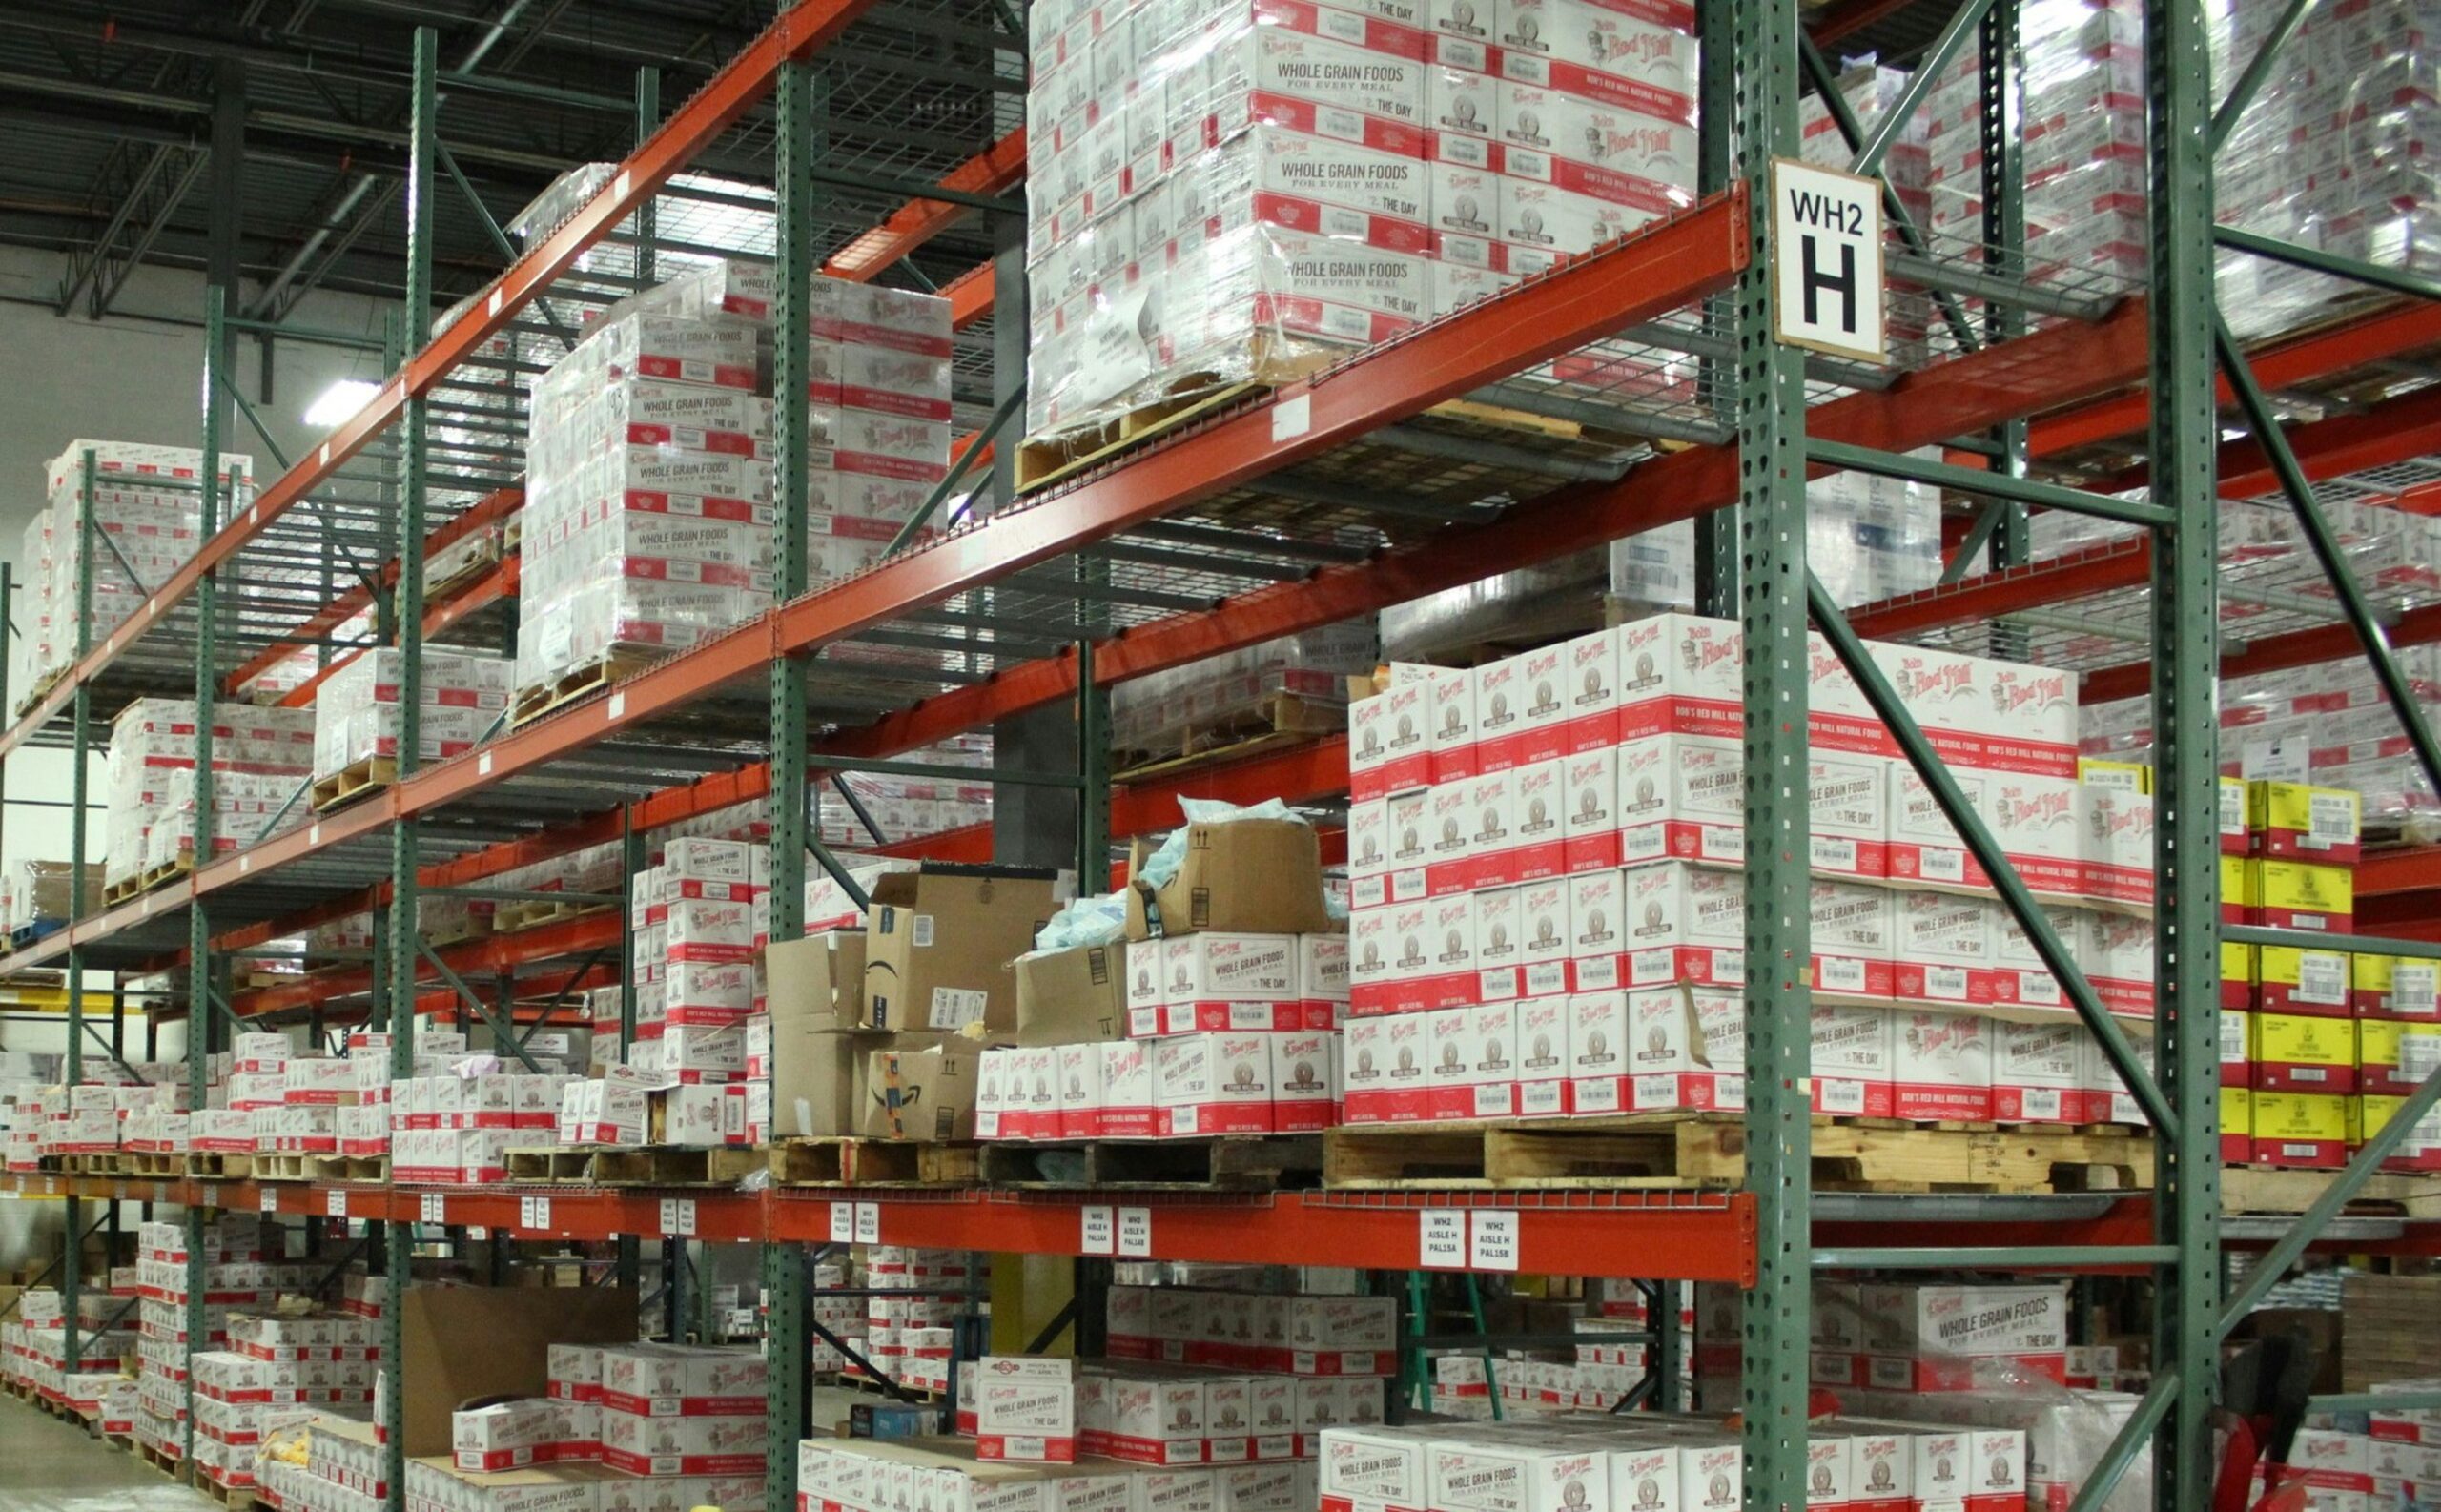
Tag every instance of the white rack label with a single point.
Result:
(843, 1223)
(335, 1203)
(1442, 1241)
(1494, 1241)
(868, 1223)
(533, 1213)
(268, 1200)
(1136, 1232)
(1826, 261)
(1101, 1231)
(677, 1216)
(434, 1209)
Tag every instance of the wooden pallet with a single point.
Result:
(1672, 1150)
(649, 1166)
(167, 871)
(277, 1167)
(1191, 397)
(215, 1165)
(2265, 1189)
(576, 683)
(511, 916)
(153, 1164)
(161, 1460)
(873, 1163)
(1279, 719)
(1219, 1164)
(124, 888)
(353, 782)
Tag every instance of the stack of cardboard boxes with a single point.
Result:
(1219, 1014)
(259, 759)
(357, 714)
(877, 1031)
(1547, 919)
(2318, 1048)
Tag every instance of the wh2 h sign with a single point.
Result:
(1826, 261)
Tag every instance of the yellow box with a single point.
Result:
(2121, 777)
(2291, 980)
(2233, 881)
(2392, 1056)
(2299, 1115)
(2237, 1124)
(2301, 1039)
(2369, 973)
(2296, 819)
(2278, 887)
(2415, 988)
(2237, 975)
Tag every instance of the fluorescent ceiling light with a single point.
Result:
(341, 400)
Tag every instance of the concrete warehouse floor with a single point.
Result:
(45, 1465)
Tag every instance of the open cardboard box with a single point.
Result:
(1248, 876)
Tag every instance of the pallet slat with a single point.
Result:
(1223, 1163)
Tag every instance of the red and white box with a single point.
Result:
(1449, 825)
(1974, 1469)
(1670, 1064)
(1080, 1089)
(1683, 797)
(1450, 979)
(1940, 1066)
(1545, 944)
(1368, 747)
(2117, 961)
(1849, 803)
(1538, 806)
(1491, 1041)
(1450, 1075)
(1679, 922)
(1943, 948)
(1500, 714)
(1490, 812)
(1542, 1040)
(1306, 1080)
(1681, 674)
(1591, 667)
(1322, 979)
(1127, 1090)
(1212, 1083)
(1449, 705)
(2038, 1072)
(1589, 790)
(2115, 858)
(1952, 1338)
(1025, 1409)
(1855, 939)
(1224, 981)
(1599, 1051)
(1499, 946)
(1544, 730)
(1368, 847)
(2043, 826)
(2018, 976)
(1371, 951)
(1385, 1070)
(1853, 1061)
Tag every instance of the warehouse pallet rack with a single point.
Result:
(1334, 496)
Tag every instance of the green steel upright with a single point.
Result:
(201, 980)
(72, 1259)
(1715, 588)
(414, 438)
(2186, 436)
(786, 1273)
(1771, 447)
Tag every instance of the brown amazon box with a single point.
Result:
(1072, 997)
(819, 980)
(925, 1092)
(1253, 876)
(939, 941)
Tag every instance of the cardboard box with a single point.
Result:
(1074, 996)
(939, 941)
(2301, 1053)
(924, 1092)
(2304, 822)
(1940, 1066)
(1248, 876)
(1853, 1052)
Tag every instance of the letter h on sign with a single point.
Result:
(1826, 261)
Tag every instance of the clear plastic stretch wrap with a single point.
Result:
(148, 518)
(649, 518)
(1236, 190)
(2329, 722)
(261, 757)
(905, 807)
(1314, 666)
(1866, 537)
(43, 891)
(358, 708)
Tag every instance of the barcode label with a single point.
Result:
(1842, 1096)
(2330, 821)
(2419, 1056)
(2322, 978)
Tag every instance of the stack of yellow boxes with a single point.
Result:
(2318, 1048)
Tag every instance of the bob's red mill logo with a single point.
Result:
(1921, 680)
